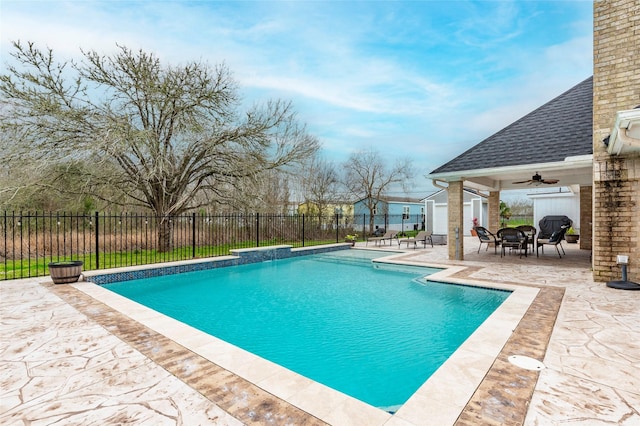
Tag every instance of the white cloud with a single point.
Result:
(426, 79)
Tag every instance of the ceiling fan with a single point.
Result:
(537, 179)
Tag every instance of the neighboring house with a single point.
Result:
(437, 211)
(560, 203)
(392, 213)
(341, 208)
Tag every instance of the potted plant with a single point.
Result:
(351, 238)
(571, 236)
(476, 223)
(64, 272)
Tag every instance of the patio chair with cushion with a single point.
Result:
(513, 238)
(389, 235)
(486, 237)
(421, 237)
(554, 240)
(550, 225)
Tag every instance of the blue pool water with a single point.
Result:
(375, 333)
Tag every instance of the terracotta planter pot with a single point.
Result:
(571, 239)
(65, 272)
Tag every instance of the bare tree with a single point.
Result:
(269, 194)
(321, 187)
(368, 178)
(162, 135)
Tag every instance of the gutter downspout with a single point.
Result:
(436, 183)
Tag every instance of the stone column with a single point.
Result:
(456, 220)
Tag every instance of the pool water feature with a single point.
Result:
(374, 333)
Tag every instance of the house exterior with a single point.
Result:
(587, 138)
(616, 138)
(391, 213)
(342, 208)
(476, 205)
(540, 143)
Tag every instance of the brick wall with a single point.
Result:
(616, 87)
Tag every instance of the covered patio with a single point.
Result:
(550, 147)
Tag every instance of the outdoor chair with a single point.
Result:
(486, 237)
(421, 237)
(554, 240)
(531, 232)
(513, 238)
(389, 235)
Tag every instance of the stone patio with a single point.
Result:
(68, 356)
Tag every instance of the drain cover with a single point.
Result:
(526, 362)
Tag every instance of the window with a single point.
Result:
(405, 212)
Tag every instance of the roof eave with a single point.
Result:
(478, 178)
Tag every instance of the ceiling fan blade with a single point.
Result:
(523, 181)
(550, 181)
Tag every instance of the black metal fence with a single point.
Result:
(30, 240)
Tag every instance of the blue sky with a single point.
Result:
(419, 79)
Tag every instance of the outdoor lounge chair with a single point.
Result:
(421, 237)
(486, 237)
(512, 238)
(389, 235)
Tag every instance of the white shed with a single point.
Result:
(437, 212)
(563, 203)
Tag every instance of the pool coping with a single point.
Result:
(442, 398)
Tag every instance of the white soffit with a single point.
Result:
(625, 136)
(573, 170)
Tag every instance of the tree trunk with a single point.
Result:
(165, 233)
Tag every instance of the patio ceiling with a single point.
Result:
(572, 172)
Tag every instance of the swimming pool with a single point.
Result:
(373, 333)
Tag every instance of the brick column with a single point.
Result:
(586, 215)
(456, 218)
(494, 211)
(616, 187)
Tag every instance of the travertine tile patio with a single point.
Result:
(67, 358)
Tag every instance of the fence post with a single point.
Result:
(337, 228)
(97, 242)
(257, 229)
(193, 234)
(364, 225)
(303, 230)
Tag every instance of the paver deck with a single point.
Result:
(68, 358)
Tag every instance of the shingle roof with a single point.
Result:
(563, 127)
